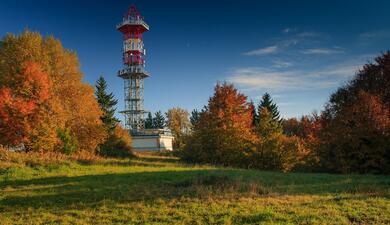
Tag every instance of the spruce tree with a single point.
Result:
(149, 121)
(255, 116)
(195, 117)
(158, 120)
(266, 102)
(107, 103)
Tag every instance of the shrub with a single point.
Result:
(68, 141)
(118, 144)
(48, 159)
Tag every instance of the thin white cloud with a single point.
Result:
(378, 34)
(322, 51)
(281, 64)
(263, 51)
(258, 78)
(310, 34)
(290, 40)
(288, 30)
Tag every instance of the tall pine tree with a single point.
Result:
(158, 120)
(266, 102)
(195, 117)
(255, 116)
(107, 103)
(149, 121)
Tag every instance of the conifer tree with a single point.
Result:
(107, 103)
(195, 117)
(266, 102)
(149, 121)
(158, 120)
(255, 115)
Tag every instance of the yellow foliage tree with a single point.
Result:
(71, 104)
(179, 123)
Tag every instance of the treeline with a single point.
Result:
(45, 106)
(175, 119)
(351, 135)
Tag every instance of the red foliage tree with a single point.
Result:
(357, 139)
(22, 100)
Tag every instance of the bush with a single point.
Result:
(68, 141)
(47, 159)
(118, 144)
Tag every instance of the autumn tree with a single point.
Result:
(357, 138)
(291, 127)
(107, 103)
(354, 127)
(306, 130)
(178, 122)
(71, 104)
(23, 109)
(118, 144)
(224, 133)
(274, 150)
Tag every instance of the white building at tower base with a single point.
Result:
(153, 140)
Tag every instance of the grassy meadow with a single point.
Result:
(161, 190)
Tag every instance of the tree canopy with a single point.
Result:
(69, 102)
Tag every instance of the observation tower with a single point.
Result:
(133, 74)
(132, 27)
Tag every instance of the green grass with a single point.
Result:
(156, 190)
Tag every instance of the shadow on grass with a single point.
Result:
(90, 191)
(160, 159)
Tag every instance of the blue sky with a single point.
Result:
(298, 51)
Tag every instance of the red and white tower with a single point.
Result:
(132, 27)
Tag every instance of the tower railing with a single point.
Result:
(133, 69)
(133, 21)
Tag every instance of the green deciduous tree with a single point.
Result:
(274, 150)
(68, 141)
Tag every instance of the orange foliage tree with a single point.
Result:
(71, 104)
(224, 132)
(23, 107)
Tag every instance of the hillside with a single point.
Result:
(161, 190)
